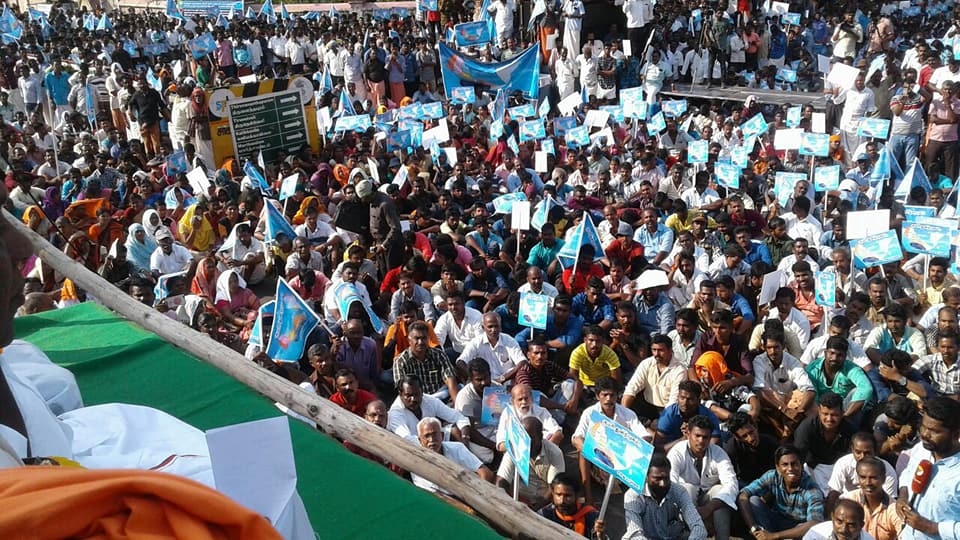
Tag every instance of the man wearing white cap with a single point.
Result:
(656, 314)
(384, 227)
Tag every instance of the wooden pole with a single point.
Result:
(513, 517)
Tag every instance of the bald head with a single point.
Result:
(37, 302)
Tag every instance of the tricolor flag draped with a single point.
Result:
(585, 233)
(293, 320)
(521, 73)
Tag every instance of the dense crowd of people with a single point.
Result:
(772, 412)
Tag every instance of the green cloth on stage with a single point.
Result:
(346, 496)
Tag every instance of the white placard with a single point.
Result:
(607, 132)
(253, 464)
(247, 79)
(779, 8)
(325, 121)
(374, 169)
(627, 47)
(596, 118)
(439, 134)
(866, 222)
(843, 76)
(788, 139)
(199, 181)
(520, 216)
(823, 64)
(451, 155)
(768, 291)
(540, 161)
(569, 103)
(818, 122)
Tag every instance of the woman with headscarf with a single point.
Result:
(152, 222)
(204, 282)
(140, 246)
(237, 304)
(34, 218)
(306, 203)
(712, 369)
(52, 203)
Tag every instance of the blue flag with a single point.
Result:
(173, 11)
(267, 9)
(249, 14)
(153, 81)
(104, 23)
(521, 73)
(293, 320)
(222, 21)
(256, 176)
(326, 82)
(202, 45)
(585, 233)
(284, 14)
(256, 333)
(346, 294)
(89, 22)
(542, 211)
(276, 224)
(36, 15)
(914, 177)
(346, 107)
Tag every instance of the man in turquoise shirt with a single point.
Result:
(57, 85)
(834, 373)
(544, 253)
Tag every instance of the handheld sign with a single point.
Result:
(520, 215)
(826, 178)
(768, 291)
(877, 249)
(815, 144)
(618, 451)
(826, 289)
(697, 152)
(933, 240)
(877, 128)
(495, 400)
(533, 310)
(912, 212)
(518, 445)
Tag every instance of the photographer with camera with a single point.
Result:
(846, 36)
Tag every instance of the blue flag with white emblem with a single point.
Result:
(256, 177)
(276, 224)
(585, 233)
(293, 320)
(173, 11)
(521, 73)
(914, 177)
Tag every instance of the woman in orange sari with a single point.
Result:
(204, 282)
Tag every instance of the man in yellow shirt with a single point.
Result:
(589, 362)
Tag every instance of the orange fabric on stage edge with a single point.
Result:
(54, 502)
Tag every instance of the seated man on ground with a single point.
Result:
(750, 450)
(412, 405)
(566, 510)
(656, 381)
(546, 461)
(469, 403)
(882, 520)
(673, 420)
(823, 438)
(846, 523)
(664, 511)
(588, 363)
(783, 503)
(704, 470)
(430, 434)
(521, 403)
(844, 477)
(782, 385)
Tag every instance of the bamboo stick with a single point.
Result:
(491, 502)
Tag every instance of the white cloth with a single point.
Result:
(178, 259)
(824, 531)
(717, 470)
(791, 372)
(501, 358)
(844, 476)
(403, 422)
(469, 329)
(223, 285)
(56, 385)
(796, 322)
(815, 349)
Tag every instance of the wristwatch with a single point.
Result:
(902, 381)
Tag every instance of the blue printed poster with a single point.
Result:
(462, 95)
(728, 175)
(618, 451)
(495, 400)
(877, 249)
(697, 151)
(913, 212)
(533, 310)
(826, 288)
(815, 144)
(826, 178)
(518, 445)
(933, 240)
(877, 128)
(783, 187)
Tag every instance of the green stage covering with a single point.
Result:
(346, 496)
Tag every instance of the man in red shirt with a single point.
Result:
(576, 277)
(805, 287)
(625, 249)
(349, 395)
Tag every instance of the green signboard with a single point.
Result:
(269, 122)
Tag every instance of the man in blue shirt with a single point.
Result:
(743, 317)
(934, 513)
(485, 287)
(670, 423)
(656, 238)
(564, 330)
(57, 83)
(593, 306)
(784, 500)
(656, 314)
(754, 250)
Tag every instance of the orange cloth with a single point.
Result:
(84, 209)
(56, 502)
(712, 365)
(398, 330)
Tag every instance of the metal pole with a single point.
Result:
(516, 482)
(606, 496)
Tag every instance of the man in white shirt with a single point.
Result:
(858, 103)
(169, 257)
(839, 326)
(521, 404)
(781, 384)
(792, 318)
(705, 471)
(499, 350)
(469, 402)
(846, 523)
(655, 383)
(607, 391)
(586, 66)
(701, 196)
(460, 324)
(639, 14)
(800, 224)
(430, 436)
(535, 284)
(800, 253)
(844, 476)
(412, 405)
